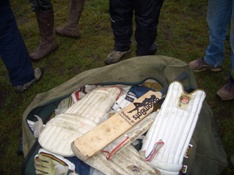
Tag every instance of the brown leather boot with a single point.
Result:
(75, 8)
(48, 43)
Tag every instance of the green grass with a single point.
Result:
(182, 33)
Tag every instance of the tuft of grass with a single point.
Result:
(182, 33)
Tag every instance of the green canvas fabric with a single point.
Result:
(207, 156)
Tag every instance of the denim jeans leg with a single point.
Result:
(218, 18)
(232, 36)
(13, 49)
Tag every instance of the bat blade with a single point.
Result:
(100, 136)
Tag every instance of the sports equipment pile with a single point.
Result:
(100, 125)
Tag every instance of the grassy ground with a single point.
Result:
(182, 33)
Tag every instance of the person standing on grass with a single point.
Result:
(146, 17)
(45, 19)
(220, 14)
(14, 52)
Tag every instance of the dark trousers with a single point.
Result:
(40, 5)
(12, 48)
(146, 14)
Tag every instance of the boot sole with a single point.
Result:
(224, 98)
(212, 70)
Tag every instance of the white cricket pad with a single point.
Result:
(167, 139)
(81, 117)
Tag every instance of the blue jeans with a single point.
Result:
(220, 14)
(12, 48)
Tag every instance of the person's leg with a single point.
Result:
(121, 22)
(226, 92)
(45, 19)
(75, 8)
(218, 18)
(232, 38)
(121, 13)
(13, 50)
(147, 14)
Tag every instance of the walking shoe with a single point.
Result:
(227, 91)
(38, 72)
(115, 56)
(200, 65)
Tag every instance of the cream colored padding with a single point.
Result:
(84, 115)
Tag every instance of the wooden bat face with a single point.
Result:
(96, 139)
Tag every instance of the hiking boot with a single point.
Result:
(200, 65)
(227, 91)
(115, 56)
(38, 72)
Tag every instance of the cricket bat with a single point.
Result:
(99, 137)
